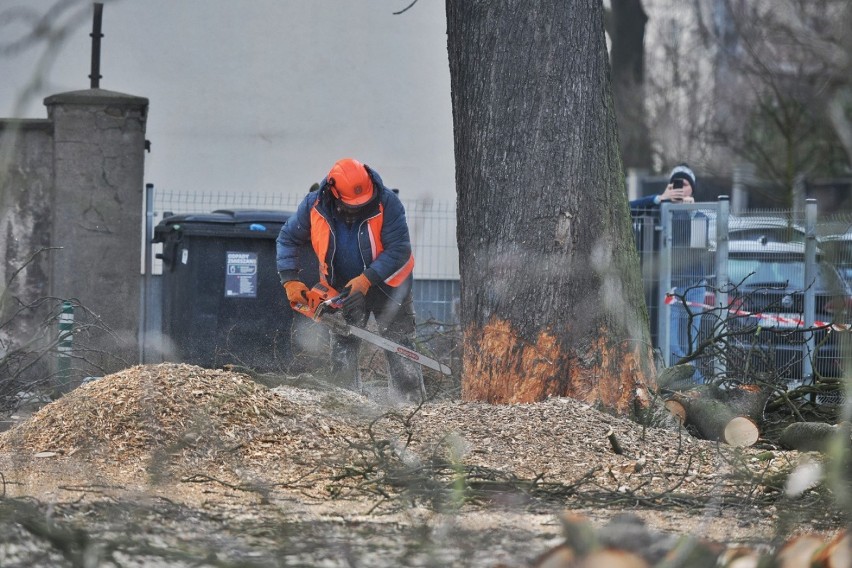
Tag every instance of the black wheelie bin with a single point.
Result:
(222, 300)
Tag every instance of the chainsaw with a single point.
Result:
(323, 304)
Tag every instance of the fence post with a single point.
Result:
(721, 292)
(65, 341)
(145, 297)
(810, 288)
(664, 317)
(647, 260)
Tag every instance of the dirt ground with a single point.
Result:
(175, 465)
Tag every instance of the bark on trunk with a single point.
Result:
(551, 296)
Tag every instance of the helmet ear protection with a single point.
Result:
(350, 182)
(333, 187)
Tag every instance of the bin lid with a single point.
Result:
(244, 223)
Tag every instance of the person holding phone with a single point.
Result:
(688, 264)
(680, 189)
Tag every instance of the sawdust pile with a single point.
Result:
(149, 425)
(184, 419)
(218, 440)
(181, 419)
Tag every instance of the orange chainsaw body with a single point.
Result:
(315, 297)
(323, 300)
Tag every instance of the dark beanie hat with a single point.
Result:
(682, 171)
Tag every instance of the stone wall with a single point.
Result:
(26, 188)
(73, 184)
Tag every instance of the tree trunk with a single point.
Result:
(628, 81)
(551, 295)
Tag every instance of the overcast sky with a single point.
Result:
(262, 95)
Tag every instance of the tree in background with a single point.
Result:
(795, 68)
(625, 23)
(551, 296)
(763, 85)
(678, 83)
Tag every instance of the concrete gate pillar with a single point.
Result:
(99, 146)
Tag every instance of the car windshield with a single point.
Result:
(755, 271)
(772, 234)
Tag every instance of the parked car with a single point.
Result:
(767, 309)
(647, 235)
(838, 251)
(758, 227)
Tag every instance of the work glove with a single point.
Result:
(297, 292)
(354, 306)
(355, 302)
(358, 284)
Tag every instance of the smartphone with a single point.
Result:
(677, 183)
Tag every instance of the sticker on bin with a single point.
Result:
(767, 320)
(241, 274)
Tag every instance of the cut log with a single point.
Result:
(676, 409)
(798, 552)
(677, 377)
(612, 558)
(694, 553)
(580, 534)
(714, 420)
(807, 436)
(561, 556)
(836, 554)
(748, 400)
(739, 557)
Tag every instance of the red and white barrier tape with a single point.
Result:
(777, 318)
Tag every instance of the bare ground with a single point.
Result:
(175, 465)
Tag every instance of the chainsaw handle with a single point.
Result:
(318, 299)
(339, 298)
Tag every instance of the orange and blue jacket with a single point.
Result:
(383, 237)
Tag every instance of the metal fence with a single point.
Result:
(764, 293)
(740, 296)
(432, 225)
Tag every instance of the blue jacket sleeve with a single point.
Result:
(295, 233)
(396, 241)
(646, 202)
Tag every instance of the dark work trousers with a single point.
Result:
(393, 309)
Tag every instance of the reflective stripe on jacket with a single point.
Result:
(383, 237)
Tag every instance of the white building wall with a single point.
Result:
(263, 96)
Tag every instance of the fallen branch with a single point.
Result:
(808, 436)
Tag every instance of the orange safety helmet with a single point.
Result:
(350, 182)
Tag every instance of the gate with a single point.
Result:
(751, 293)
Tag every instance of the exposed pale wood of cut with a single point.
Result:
(799, 551)
(677, 409)
(741, 432)
(835, 554)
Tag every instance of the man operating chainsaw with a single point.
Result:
(357, 229)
